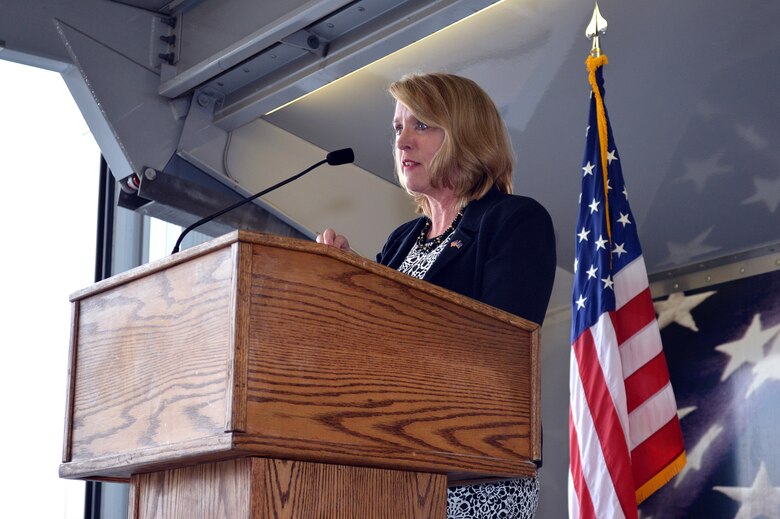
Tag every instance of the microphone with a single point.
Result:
(334, 158)
(339, 157)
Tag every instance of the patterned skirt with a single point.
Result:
(513, 499)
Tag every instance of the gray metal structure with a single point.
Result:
(195, 102)
(187, 100)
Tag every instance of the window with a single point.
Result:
(49, 168)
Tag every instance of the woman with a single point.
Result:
(453, 155)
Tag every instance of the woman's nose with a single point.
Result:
(402, 140)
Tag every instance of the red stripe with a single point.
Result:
(584, 500)
(658, 451)
(633, 316)
(646, 381)
(606, 422)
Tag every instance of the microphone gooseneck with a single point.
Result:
(334, 158)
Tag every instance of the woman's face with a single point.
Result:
(415, 145)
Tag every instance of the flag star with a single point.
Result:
(608, 283)
(619, 250)
(579, 200)
(677, 309)
(600, 243)
(696, 455)
(587, 130)
(767, 191)
(766, 369)
(701, 171)
(581, 302)
(609, 187)
(594, 206)
(576, 264)
(625, 192)
(611, 156)
(583, 234)
(750, 135)
(624, 219)
(592, 271)
(749, 348)
(683, 253)
(761, 499)
(588, 169)
(685, 411)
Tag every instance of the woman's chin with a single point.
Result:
(414, 186)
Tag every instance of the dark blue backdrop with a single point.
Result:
(726, 378)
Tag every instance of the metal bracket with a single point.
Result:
(168, 35)
(208, 98)
(308, 41)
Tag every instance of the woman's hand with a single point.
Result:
(329, 237)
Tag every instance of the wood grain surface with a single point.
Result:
(346, 366)
(259, 488)
(254, 345)
(151, 360)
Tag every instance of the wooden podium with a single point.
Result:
(256, 376)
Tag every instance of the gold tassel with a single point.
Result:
(593, 63)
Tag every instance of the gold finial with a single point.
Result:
(596, 28)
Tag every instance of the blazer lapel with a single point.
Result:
(465, 234)
(459, 243)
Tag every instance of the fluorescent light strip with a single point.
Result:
(484, 9)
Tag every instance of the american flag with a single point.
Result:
(625, 440)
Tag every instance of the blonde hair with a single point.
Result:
(476, 153)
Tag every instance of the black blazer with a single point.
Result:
(502, 253)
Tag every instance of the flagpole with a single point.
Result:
(625, 438)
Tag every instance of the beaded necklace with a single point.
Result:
(428, 245)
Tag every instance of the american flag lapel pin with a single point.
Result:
(457, 244)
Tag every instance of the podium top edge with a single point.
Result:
(227, 240)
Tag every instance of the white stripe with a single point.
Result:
(654, 413)
(612, 367)
(594, 466)
(574, 502)
(630, 281)
(642, 347)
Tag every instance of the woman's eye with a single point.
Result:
(418, 126)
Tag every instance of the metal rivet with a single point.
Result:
(709, 278)
(330, 25)
(150, 174)
(742, 270)
(676, 286)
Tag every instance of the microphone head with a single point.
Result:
(339, 157)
